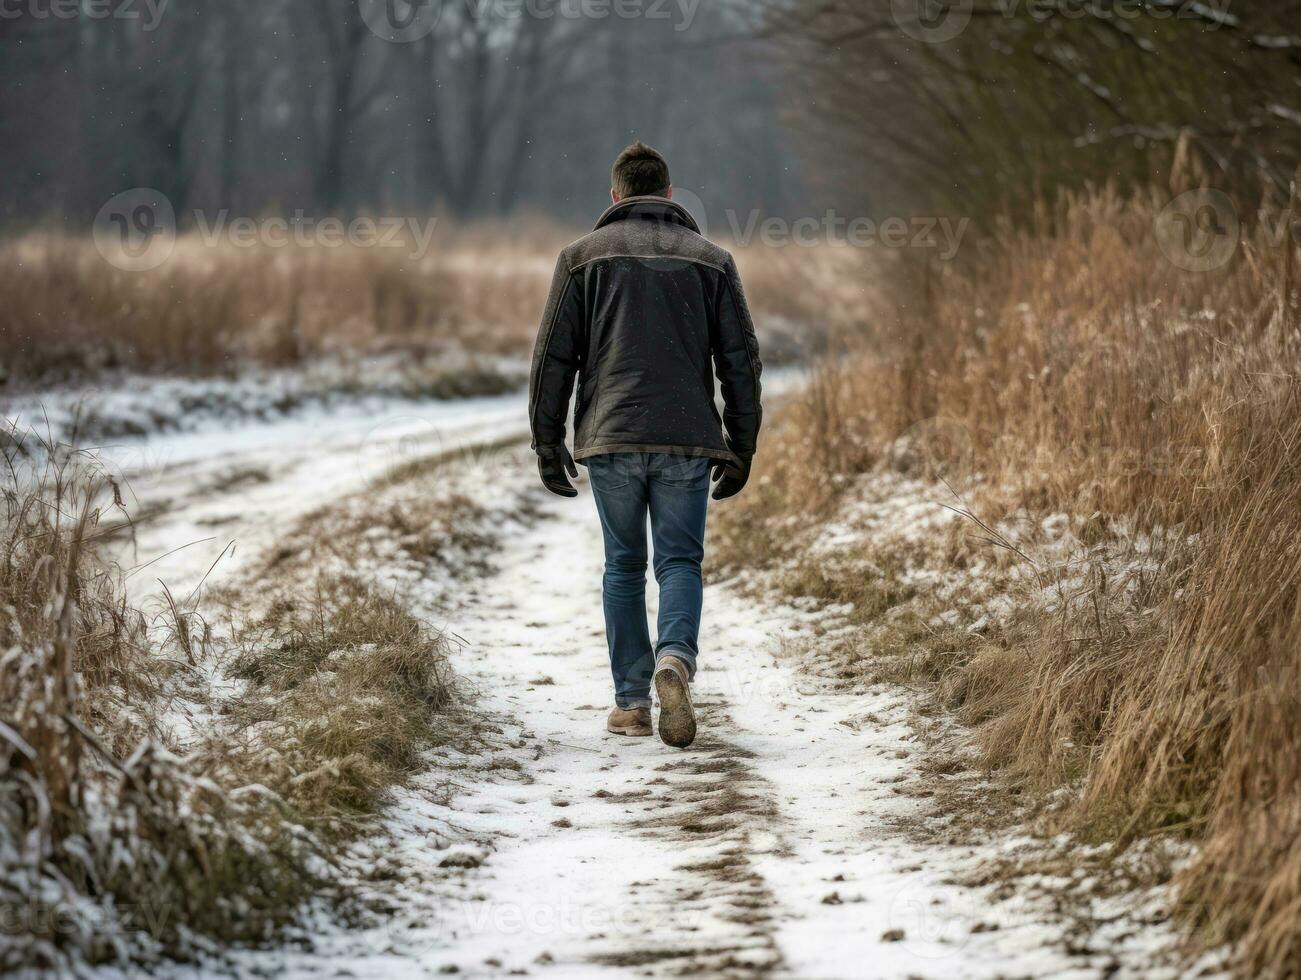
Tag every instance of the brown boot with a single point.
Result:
(677, 716)
(629, 721)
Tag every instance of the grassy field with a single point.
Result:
(217, 309)
(1072, 377)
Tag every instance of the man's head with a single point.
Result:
(639, 171)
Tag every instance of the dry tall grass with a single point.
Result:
(345, 690)
(119, 838)
(805, 297)
(1076, 370)
(111, 843)
(215, 308)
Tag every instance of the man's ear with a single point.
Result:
(614, 196)
(669, 193)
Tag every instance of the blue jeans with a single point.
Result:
(674, 491)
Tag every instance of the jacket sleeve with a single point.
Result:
(736, 362)
(557, 356)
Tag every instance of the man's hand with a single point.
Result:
(553, 463)
(730, 478)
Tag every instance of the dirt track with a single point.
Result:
(776, 845)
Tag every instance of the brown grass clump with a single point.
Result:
(1072, 368)
(119, 840)
(112, 843)
(345, 691)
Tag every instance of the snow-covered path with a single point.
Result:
(195, 493)
(772, 846)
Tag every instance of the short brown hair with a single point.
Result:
(640, 170)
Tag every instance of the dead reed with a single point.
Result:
(121, 838)
(214, 308)
(1072, 368)
(113, 842)
(218, 308)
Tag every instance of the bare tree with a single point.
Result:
(295, 104)
(1029, 97)
(346, 38)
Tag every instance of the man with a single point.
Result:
(643, 311)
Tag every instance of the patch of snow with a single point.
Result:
(123, 407)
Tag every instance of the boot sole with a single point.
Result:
(677, 715)
(634, 730)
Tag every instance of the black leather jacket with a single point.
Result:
(643, 311)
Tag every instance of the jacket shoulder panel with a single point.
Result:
(638, 238)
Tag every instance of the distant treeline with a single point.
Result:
(476, 107)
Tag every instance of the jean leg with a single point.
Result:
(679, 499)
(619, 486)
